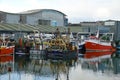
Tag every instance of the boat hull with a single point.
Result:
(81, 48)
(55, 54)
(91, 46)
(7, 50)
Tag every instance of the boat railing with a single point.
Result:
(4, 44)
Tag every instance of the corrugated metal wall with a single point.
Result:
(11, 18)
(53, 18)
(117, 31)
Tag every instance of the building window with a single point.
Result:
(2, 17)
(22, 19)
(44, 22)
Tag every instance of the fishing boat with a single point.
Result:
(38, 44)
(103, 43)
(6, 47)
(61, 47)
(29, 44)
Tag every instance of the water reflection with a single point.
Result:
(6, 64)
(116, 62)
(40, 69)
(98, 65)
(102, 61)
(90, 55)
(72, 69)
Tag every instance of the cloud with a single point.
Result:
(102, 12)
(76, 10)
(17, 5)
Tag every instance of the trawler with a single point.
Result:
(104, 43)
(61, 47)
(6, 47)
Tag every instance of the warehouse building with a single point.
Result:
(48, 17)
(114, 27)
(108, 26)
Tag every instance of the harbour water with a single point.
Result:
(22, 68)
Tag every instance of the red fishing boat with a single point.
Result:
(104, 43)
(6, 47)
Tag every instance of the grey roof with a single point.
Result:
(29, 28)
(39, 10)
(34, 11)
(15, 27)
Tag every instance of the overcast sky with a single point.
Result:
(76, 10)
